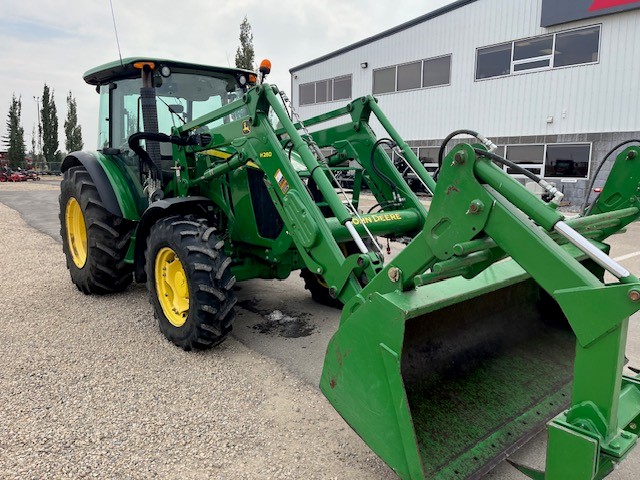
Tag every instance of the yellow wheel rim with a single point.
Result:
(76, 232)
(172, 287)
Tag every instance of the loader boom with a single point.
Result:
(477, 207)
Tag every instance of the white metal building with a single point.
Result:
(555, 98)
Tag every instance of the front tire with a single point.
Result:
(318, 289)
(94, 241)
(190, 282)
(316, 284)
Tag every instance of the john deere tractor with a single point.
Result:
(493, 321)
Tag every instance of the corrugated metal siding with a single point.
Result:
(602, 97)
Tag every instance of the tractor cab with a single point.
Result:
(181, 93)
(142, 95)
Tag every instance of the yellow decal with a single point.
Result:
(266, 154)
(246, 128)
(217, 153)
(387, 217)
(282, 182)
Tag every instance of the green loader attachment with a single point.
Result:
(446, 361)
(445, 373)
(493, 321)
(499, 317)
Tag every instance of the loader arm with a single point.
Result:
(316, 236)
(446, 331)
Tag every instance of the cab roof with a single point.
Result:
(121, 69)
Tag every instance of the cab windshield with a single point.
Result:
(180, 98)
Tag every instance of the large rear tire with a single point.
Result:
(94, 241)
(190, 282)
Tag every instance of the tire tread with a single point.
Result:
(108, 238)
(211, 301)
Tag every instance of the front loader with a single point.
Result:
(493, 321)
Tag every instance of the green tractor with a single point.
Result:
(493, 321)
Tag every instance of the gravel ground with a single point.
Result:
(89, 389)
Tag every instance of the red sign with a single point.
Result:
(603, 4)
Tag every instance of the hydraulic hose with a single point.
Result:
(583, 207)
(134, 144)
(136, 138)
(484, 140)
(375, 168)
(550, 189)
(508, 163)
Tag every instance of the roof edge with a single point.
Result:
(403, 26)
(123, 68)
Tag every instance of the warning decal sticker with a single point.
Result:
(282, 182)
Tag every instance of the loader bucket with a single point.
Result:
(447, 380)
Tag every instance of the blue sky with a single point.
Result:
(56, 41)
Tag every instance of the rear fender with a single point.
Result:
(200, 206)
(115, 189)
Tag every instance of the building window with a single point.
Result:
(530, 157)
(321, 91)
(576, 47)
(338, 88)
(562, 49)
(532, 53)
(428, 156)
(431, 72)
(409, 76)
(567, 160)
(493, 61)
(553, 160)
(384, 80)
(556, 160)
(342, 88)
(436, 71)
(307, 93)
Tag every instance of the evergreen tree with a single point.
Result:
(73, 131)
(245, 54)
(49, 116)
(14, 140)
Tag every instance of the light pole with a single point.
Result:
(39, 153)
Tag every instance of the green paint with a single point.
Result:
(125, 185)
(445, 360)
